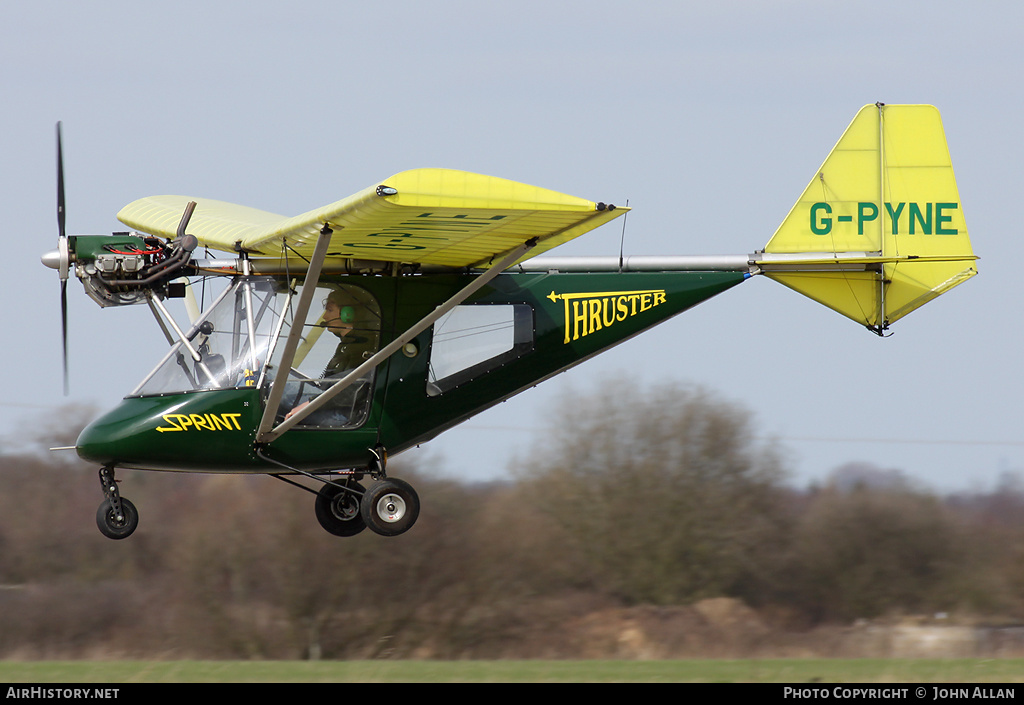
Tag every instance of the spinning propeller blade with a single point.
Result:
(62, 249)
(64, 329)
(60, 184)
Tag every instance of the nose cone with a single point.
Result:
(202, 431)
(59, 259)
(51, 259)
(114, 438)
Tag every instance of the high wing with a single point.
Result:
(423, 216)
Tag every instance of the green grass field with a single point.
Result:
(689, 671)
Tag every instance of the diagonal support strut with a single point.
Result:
(316, 263)
(266, 435)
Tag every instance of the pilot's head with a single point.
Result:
(339, 313)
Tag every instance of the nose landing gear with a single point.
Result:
(116, 517)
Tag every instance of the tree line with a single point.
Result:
(665, 499)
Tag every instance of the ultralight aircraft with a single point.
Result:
(356, 331)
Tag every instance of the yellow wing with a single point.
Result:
(425, 216)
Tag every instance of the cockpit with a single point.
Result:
(238, 342)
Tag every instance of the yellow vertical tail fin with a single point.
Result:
(879, 231)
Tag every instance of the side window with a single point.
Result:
(471, 340)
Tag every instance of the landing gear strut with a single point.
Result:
(344, 508)
(390, 507)
(116, 517)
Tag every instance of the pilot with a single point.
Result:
(359, 337)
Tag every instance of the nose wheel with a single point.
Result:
(116, 517)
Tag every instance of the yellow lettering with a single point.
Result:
(621, 309)
(605, 318)
(201, 422)
(169, 418)
(579, 319)
(599, 310)
(198, 422)
(595, 315)
(565, 316)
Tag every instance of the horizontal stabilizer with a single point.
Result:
(879, 231)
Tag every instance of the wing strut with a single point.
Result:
(316, 262)
(266, 435)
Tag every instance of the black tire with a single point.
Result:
(390, 507)
(337, 509)
(113, 528)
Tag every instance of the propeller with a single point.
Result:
(60, 258)
(156, 275)
(62, 246)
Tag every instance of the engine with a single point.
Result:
(119, 269)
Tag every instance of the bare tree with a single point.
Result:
(867, 552)
(664, 494)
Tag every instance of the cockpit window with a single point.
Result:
(335, 344)
(228, 348)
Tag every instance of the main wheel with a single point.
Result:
(117, 527)
(390, 507)
(337, 509)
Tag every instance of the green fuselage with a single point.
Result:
(561, 320)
